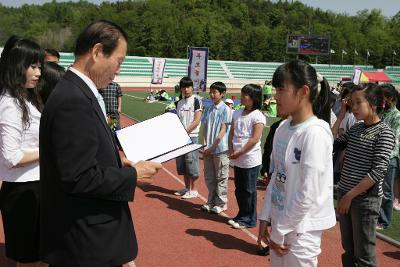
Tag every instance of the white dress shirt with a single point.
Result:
(15, 140)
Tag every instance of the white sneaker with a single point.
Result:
(396, 205)
(231, 222)
(217, 209)
(238, 226)
(190, 194)
(181, 192)
(205, 207)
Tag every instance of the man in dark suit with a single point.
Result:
(85, 184)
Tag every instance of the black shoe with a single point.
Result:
(263, 251)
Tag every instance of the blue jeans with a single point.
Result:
(386, 212)
(246, 195)
(357, 229)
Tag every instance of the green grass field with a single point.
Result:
(393, 231)
(134, 106)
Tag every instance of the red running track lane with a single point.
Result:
(174, 232)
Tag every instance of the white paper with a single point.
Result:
(155, 138)
(177, 153)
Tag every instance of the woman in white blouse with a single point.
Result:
(20, 106)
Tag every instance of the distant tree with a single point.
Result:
(249, 30)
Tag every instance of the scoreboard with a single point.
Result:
(308, 44)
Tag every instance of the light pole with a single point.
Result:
(393, 54)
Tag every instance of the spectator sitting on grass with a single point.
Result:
(162, 95)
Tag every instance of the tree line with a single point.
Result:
(239, 30)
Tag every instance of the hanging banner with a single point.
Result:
(197, 69)
(357, 75)
(158, 70)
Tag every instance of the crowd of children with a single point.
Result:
(306, 152)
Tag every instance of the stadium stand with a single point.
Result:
(394, 73)
(136, 71)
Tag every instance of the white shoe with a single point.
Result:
(190, 194)
(218, 210)
(396, 204)
(205, 207)
(396, 207)
(238, 226)
(231, 222)
(181, 192)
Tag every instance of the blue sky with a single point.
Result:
(388, 7)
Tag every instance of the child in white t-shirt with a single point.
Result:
(299, 198)
(189, 112)
(245, 154)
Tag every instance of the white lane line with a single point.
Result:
(251, 235)
(131, 118)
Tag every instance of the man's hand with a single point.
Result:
(145, 170)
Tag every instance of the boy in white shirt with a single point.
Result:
(189, 112)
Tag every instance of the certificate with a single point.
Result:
(158, 139)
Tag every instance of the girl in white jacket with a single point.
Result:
(299, 199)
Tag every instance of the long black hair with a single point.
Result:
(18, 55)
(323, 104)
(254, 91)
(300, 73)
(51, 75)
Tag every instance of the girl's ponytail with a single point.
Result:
(321, 101)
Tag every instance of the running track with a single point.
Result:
(174, 232)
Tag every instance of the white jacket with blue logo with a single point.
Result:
(308, 201)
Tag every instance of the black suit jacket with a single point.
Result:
(85, 218)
